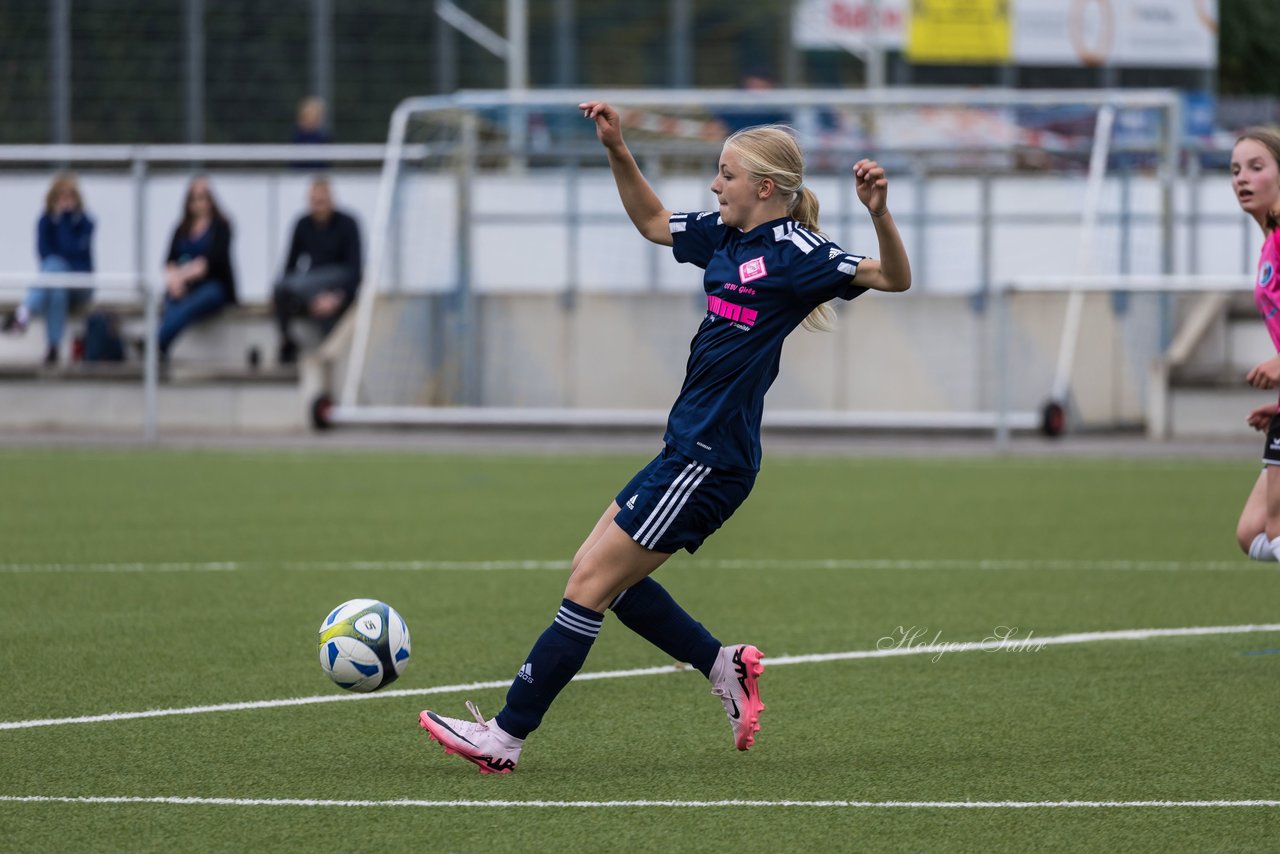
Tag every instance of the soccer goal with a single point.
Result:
(506, 287)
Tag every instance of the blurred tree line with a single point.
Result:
(1249, 47)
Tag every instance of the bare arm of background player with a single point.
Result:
(642, 204)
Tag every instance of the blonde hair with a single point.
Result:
(1268, 138)
(771, 151)
(62, 181)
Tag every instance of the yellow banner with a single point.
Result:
(959, 31)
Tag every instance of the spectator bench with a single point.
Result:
(222, 377)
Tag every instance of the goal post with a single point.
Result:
(1173, 351)
(428, 237)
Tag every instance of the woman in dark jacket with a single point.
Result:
(198, 278)
(64, 242)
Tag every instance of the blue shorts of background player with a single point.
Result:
(766, 270)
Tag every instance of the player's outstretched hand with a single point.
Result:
(1260, 418)
(1265, 374)
(608, 122)
(872, 186)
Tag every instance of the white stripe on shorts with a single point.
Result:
(676, 511)
(657, 511)
(676, 496)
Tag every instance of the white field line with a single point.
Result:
(1105, 565)
(904, 643)
(309, 802)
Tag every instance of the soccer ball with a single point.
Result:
(364, 645)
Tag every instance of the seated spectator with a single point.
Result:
(64, 242)
(198, 279)
(322, 272)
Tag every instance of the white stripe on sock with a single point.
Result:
(580, 622)
(576, 629)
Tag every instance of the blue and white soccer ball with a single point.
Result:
(364, 645)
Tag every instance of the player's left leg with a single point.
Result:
(613, 563)
(1251, 530)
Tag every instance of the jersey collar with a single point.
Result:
(777, 229)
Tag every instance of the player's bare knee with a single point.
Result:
(1244, 539)
(587, 582)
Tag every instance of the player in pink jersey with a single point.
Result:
(1255, 177)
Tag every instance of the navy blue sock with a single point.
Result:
(556, 656)
(649, 611)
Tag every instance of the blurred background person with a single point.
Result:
(64, 242)
(1255, 178)
(322, 271)
(310, 127)
(198, 277)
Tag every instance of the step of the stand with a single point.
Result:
(92, 404)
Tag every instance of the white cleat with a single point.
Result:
(485, 744)
(735, 679)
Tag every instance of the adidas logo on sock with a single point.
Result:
(526, 672)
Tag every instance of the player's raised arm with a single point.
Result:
(642, 204)
(892, 270)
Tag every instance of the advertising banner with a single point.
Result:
(1161, 33)
(1134, 33)
(958, 32)
(853, 25)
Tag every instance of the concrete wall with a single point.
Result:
(914, 353)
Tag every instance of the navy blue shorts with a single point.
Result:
(1271, 450)
(675, 502)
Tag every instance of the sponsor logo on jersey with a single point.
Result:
(752, 270)
(744, 318)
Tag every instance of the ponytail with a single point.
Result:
(805, 211)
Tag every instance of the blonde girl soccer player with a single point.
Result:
(1255, 177)
(768, 269)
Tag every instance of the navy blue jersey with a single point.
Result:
(760, 285)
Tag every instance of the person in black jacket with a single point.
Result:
(198, 278)
(322, 272)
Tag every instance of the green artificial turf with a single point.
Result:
(136, 580)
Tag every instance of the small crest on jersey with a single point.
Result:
(1265, 274)
(752, 270)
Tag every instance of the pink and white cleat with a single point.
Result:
(735, 679)
(485, 744)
